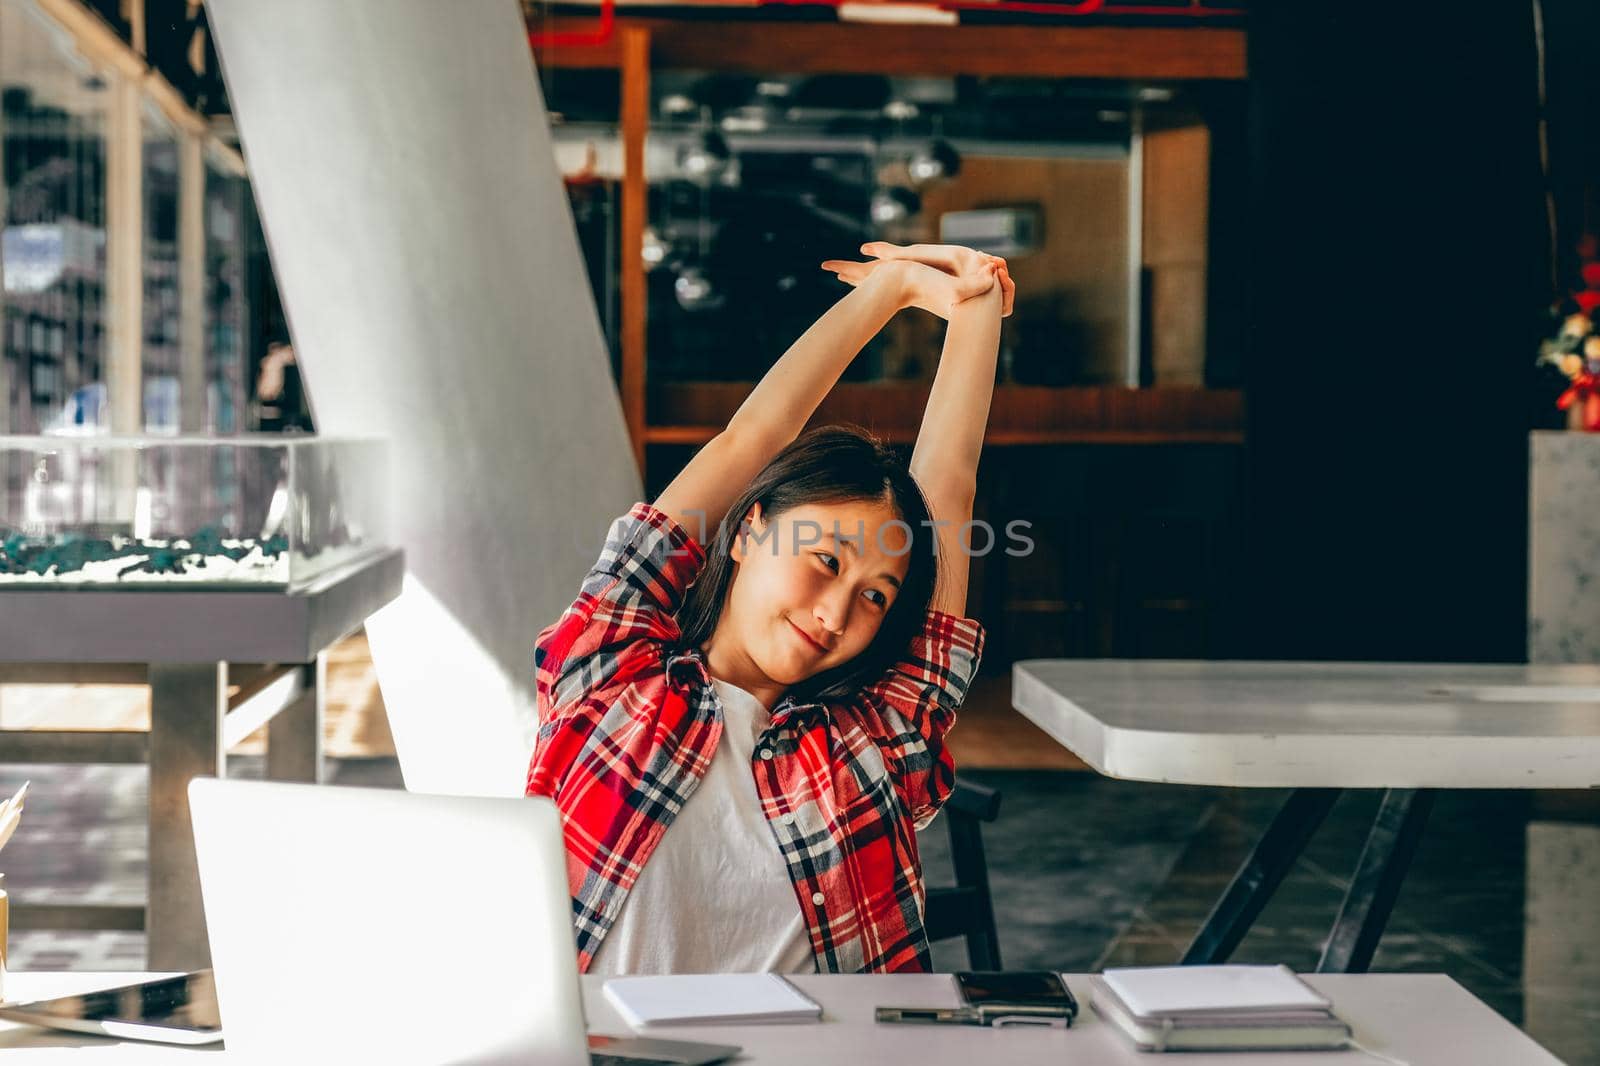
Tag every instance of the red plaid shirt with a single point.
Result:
(628, 723)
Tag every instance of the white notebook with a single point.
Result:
(1185, 990)
(710, 999)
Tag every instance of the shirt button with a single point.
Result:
(817, 898)
(766, 753)
(788, 819)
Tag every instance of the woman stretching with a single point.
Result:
(743, 740)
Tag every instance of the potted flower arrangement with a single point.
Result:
(1574, 350)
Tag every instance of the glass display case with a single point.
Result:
(259, 511)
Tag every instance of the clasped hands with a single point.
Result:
(934, 277)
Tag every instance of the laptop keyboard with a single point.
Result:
(600, 1058)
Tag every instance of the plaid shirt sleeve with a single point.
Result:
(631, 594)
(912, 706)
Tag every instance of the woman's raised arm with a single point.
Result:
(785, 399)
(945, 459)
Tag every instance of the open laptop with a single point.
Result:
(376, 925)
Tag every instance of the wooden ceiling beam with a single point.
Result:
(1120, 52)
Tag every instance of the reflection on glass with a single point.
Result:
(747, 245)
(1097, 192)
(584, 107)
(227, 304)
(53, 118)
(161, 360)
(186, 1002)
(754, 181)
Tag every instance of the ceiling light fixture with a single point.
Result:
(653, 250)
(894, 204)
(933, 161)
(704, 159)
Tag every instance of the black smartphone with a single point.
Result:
(1022, 993)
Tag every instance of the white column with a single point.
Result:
(431, 274)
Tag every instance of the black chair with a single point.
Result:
(966, 909)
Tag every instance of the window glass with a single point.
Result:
(161, 358)
(54, 107)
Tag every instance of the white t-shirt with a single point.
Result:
(715, 896)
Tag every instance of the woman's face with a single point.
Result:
(812, 586)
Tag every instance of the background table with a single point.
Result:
(183, 642)
(1319, 728)
(1422, 1019)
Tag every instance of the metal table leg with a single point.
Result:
(294, 735)
(1376, 883)
(1259, 876)
(187, 705)
(1368, 902)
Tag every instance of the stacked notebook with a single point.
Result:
(710, 999)
(1217, 1008)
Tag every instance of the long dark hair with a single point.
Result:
(828, 465)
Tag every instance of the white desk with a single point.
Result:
(1321, 725)
(1319, 728)
(1422, 1019)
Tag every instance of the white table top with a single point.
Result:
(1422, 1019)
(1321, 725)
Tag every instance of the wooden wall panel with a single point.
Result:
(691, 412)
(1176, 217)
(1072, 301)
(1039, 51)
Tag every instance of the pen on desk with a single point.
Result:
(930, 1015)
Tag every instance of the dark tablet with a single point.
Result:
(167, 1010)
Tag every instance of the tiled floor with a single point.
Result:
(1089, 872)
(1086, 872)
(1460, 911)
